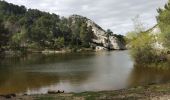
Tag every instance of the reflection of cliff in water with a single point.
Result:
(37, 71)
(77, 72)
(147, 76)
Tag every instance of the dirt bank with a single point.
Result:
(151, 92)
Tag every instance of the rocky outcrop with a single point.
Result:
(101, 41)
(115, 44)
(155, 31)
(100, 37)
(100, 48)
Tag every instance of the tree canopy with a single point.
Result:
(32, 28)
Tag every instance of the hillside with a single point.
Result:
(22, 29)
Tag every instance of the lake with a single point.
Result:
(75, 72)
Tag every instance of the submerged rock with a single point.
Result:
(55, 92)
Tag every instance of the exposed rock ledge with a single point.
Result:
(101, 38)
(101, 41)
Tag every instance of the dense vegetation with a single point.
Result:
(142, 50)
(22, 28)
(3, 35)
(143, 43)
(164, 24)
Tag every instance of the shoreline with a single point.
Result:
(148, 92)
(11, 53)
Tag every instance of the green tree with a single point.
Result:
(121, 38)
(130, 36)
(141, 44)
(19, 40)
(4, 36)
(86, 34)
(36, 29)
(139, 28)
(164, 23)
(142, 49)
(59, 43)
(109, 32)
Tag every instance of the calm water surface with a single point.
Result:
(77, 72)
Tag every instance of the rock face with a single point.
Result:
(115, 44)
(100, 48)
(155, 31)
(101, 38)
(101, 41)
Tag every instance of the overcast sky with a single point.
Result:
(109, 14)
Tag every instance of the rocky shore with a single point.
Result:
(149, 92)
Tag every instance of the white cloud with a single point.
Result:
(113, 14)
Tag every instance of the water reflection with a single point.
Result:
(77, 72)
(146, 76)
(39, 71)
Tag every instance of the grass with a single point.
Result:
(140, 92)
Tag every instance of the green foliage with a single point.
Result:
(164, 23)
(130, 36)
(10, 9)
(3, 35)
(59, 43)
(142, 49)
(138, 29)
(142, 45)
(109, 32)
(121, 38)
(17, 39)
(85, 35)
(31, 27)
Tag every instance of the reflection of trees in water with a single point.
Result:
(145, 76)
(44, 59)
(21, 81)
(15, 79)
(2, 56)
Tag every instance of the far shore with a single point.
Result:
(45, 51)
(48, 51)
